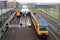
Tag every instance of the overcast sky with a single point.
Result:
(38, 1)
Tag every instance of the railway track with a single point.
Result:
(22, 33)
(15, 20)
(45, 17)
(54, 35)
(52, 27)
(50, 36)
(3, 28)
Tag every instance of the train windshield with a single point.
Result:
(43, 26)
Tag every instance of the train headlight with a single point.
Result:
(40, 33)
(29, 24)
(47, 33)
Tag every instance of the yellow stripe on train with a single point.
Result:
(36, 26)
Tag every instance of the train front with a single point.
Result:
(25, 11)
(43, 32)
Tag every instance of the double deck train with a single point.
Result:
(40, 28)
(23, 11)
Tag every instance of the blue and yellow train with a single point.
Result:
(25, 11)
(41, 29)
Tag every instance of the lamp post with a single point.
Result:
(59, 20)
(1, 19)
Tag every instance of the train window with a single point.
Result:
(43, 26)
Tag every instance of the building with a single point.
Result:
(3, 3)
(11, 4)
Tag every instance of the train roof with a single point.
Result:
(24, 7)
(43, 24)
(25, 10)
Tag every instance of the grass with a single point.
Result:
(53, 15)
(50, 13)
(55, 20)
